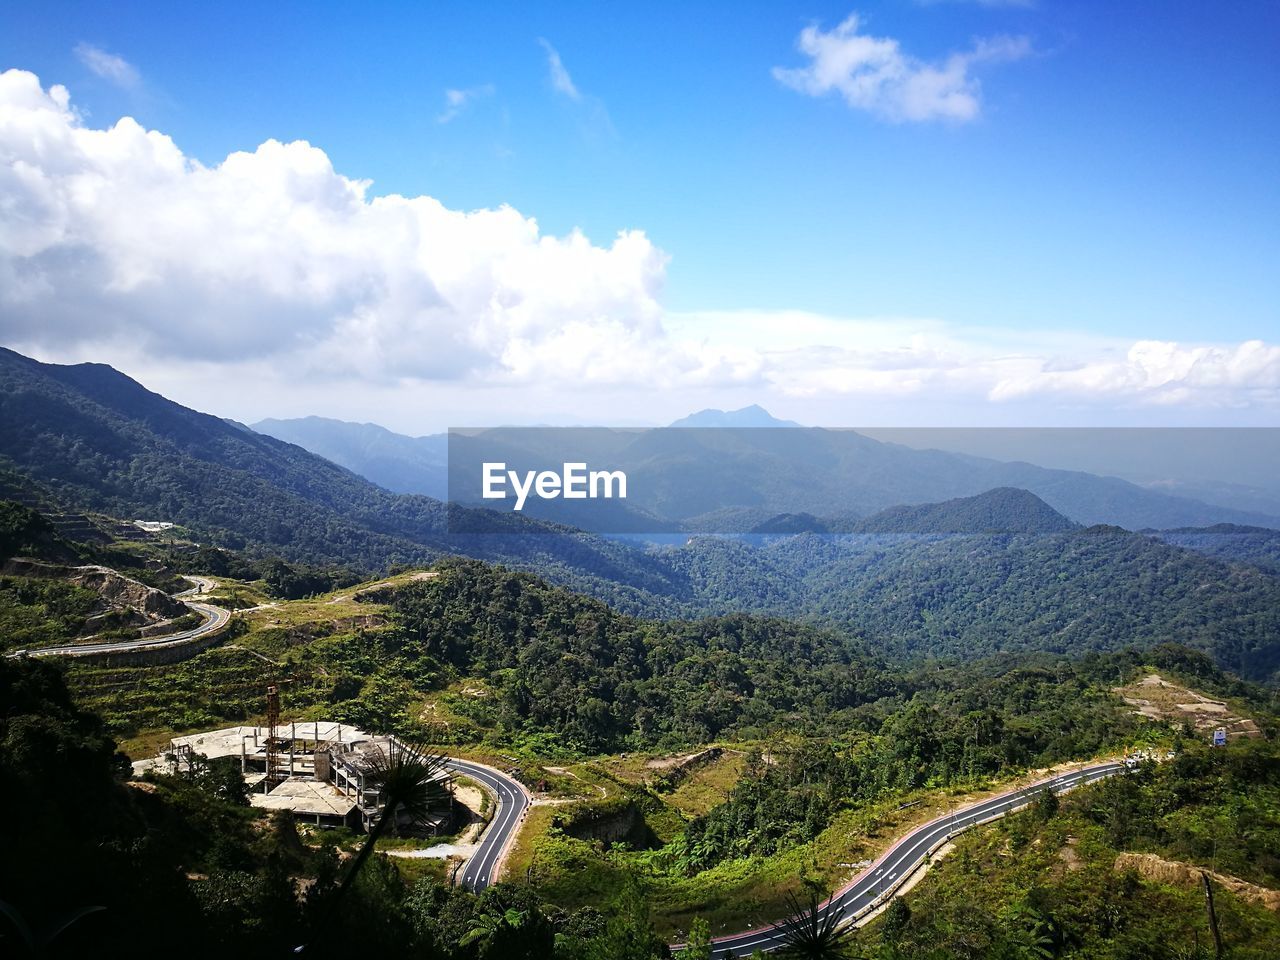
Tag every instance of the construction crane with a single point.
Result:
(279, 749)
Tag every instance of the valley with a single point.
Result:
(679, 741)
(640, 482)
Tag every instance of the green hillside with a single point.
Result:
(838, 752)
(1003, 510)
(94, 439)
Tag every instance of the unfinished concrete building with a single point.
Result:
(314, 769)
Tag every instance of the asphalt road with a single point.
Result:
(875, 885)
(215, 618)
(513, 801)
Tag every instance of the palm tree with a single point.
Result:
(811, 932)
(410, 779)
(36, 941)
(490, 927)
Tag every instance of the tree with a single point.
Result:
(220, 778)
(896, 918)
(1046, 805)
(493, 927)
(410, 779)
(697, 945)
(628, 932)
(810, 931)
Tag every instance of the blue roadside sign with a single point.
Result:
(1220, 737)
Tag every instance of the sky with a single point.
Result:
(914, 212)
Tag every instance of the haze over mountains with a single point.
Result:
(1000, 570)
(89, 437)
(733, 476)
(399, 463)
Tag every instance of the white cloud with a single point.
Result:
(275, 282)
(802, 355)
(560, 79)
(1162, 372)
(115, 234)
(875, 75)
(108, 66)
(456, 101)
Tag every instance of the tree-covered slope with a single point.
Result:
(400, 464)
(96, 439)
(1102, 588)
(1256, 546)
(1002, 510)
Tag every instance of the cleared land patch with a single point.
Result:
(1157, 699)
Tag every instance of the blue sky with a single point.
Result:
(1103, 174)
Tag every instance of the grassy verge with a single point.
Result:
(1056, 885)
(735, 894)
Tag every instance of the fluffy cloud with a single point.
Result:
(108, 66)
(807, 356)
(875, 75)
(1162, 372)
(283, 287)
(112, 234)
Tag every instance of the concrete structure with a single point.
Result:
(319, 771)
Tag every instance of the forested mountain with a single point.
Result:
(1256, 546)
(98, 440)
(556, 661)
(1101, 588)
(732, 474)
(400, 464)
(730, 479)
(1003, 510)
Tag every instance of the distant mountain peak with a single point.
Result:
(752, 416)
(1001, 510)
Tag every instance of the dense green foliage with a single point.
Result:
(1003, 510)
(22, 530)
(1257, 546)
(566, 664)
(181, 859)
(960, 725)
(39, 611)
(950, 725)
(1097, 589)
(567, 672)
(1047, 884)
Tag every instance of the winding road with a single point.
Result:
(513, 801)
(855, 902)
(215, 618)
(876, 884)
(867, 892)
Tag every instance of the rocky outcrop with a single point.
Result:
(117, 591)
(670, 772)
(615, 821)
(1155, 868)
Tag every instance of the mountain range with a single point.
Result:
(997, 570)
(731, 475)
